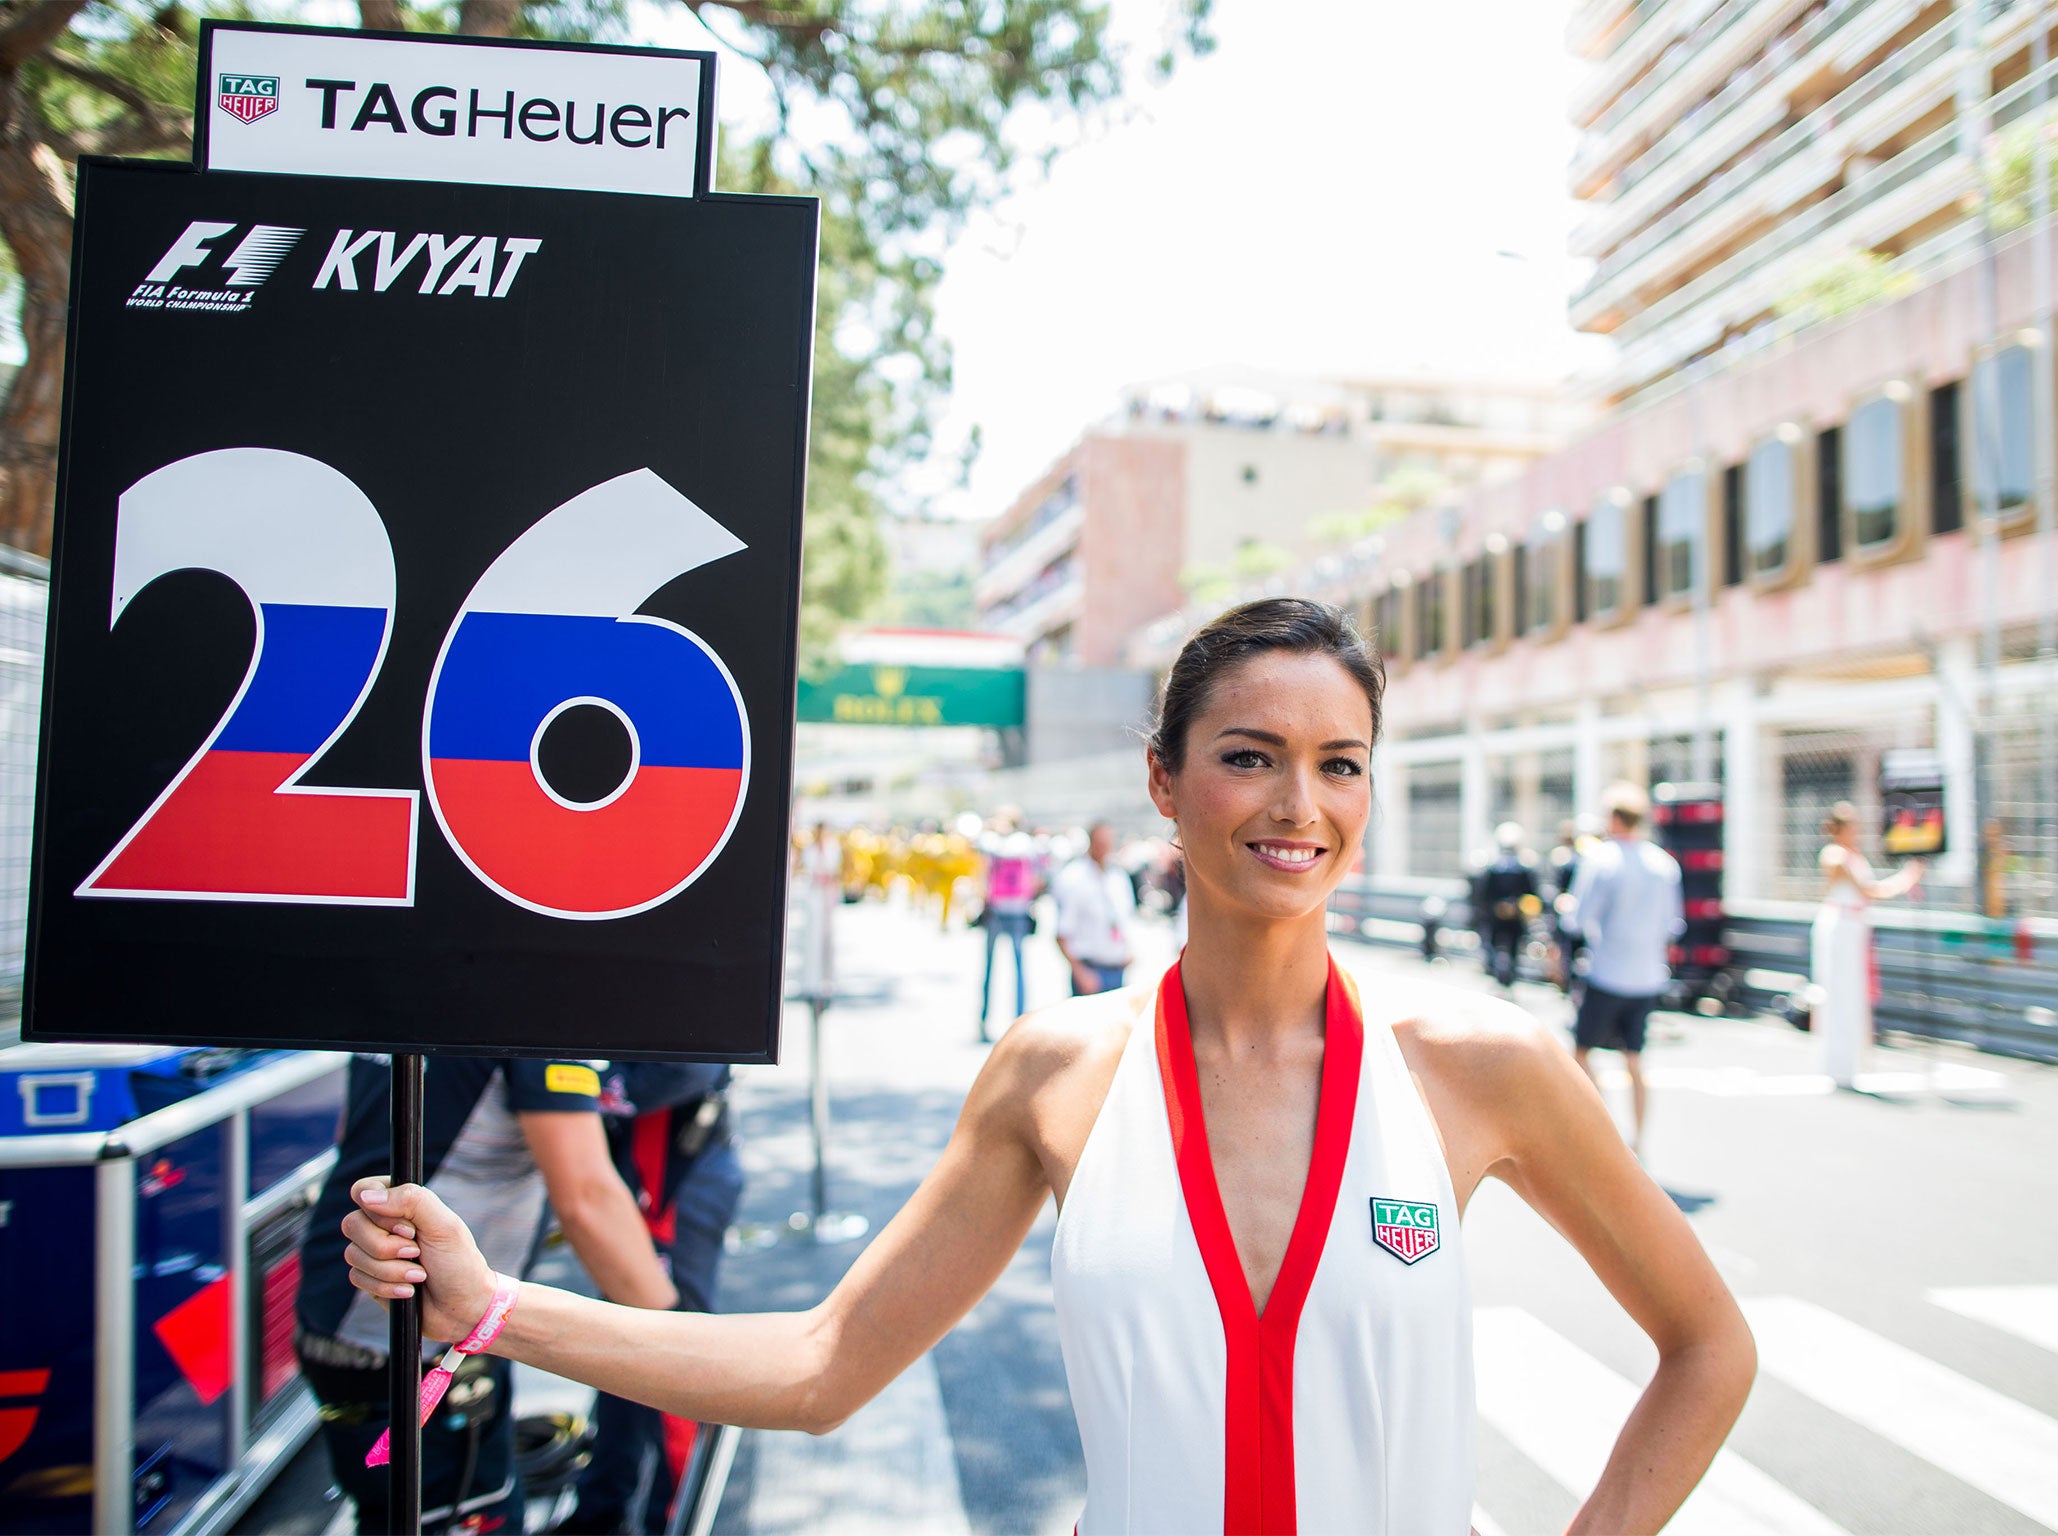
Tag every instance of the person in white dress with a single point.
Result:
(1258, 1267)
(1840, 949)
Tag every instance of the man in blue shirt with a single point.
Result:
(1626, 906)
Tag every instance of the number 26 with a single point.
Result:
(551, 623)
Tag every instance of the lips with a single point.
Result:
(1292, 857)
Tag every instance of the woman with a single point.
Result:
(1258, 1267)
(1840, 946)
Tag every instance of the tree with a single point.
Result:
(913, 111)
(1843, 285)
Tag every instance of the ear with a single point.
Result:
(1160, 786)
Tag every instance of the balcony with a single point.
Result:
(1047, 607)
(1592, 20)
(1734, 116)
(1714, 50)
(1927, 177)
(1018, 564)
(1657, 24)
(1770, 179)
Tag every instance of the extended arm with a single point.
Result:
(1841, 865)
(1564, 1156)
(795, 1370)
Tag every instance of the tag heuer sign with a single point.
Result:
(246, 98)
(1405, 1228)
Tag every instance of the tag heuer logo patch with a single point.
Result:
(1405, 1228)
(246, 98)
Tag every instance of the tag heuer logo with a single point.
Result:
(1405, 1228)
(246, 98)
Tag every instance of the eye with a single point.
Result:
(1244, 757)
(1345, 767)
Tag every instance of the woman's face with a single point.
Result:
(1276, 787)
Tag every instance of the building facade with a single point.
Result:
(1744, 160)
(1198, 476)
(1793, 549)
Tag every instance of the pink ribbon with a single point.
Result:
(437, 1382)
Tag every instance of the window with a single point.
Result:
(1386, 623)
(1481, 616)
(1649, 530)
(1581, 597)
(1732, 525)
(1872, 472)
(1946, 489)
(1536, 576)
(1607, 557)
(1521, 586)
(2003, 410)
(1829, 527)
(1769, 500)
(1682, 530)
(1429, 606)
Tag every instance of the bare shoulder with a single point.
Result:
(1049, 1076)
(1473, 1042)
(1059, 1047)
(1488, 1071)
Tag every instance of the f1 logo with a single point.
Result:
(249, 264)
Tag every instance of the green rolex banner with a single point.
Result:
(895, 695)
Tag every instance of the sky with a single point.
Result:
(1331, 191)
(1341, 187)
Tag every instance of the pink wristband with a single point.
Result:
(505, 1289)
(437, 1382)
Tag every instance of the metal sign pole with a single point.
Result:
(821, 1225)
(404, 1320)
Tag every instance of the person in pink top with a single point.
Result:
(1011, 887)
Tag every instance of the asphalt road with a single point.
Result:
(1896, 1251)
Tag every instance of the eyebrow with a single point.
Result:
(1272, 739)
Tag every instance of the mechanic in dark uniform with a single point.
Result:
(497, 1137)
(668, 1128)
(1505, 886)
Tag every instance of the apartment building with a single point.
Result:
(1735, 152)
(1194, 474)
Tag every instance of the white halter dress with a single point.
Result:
(1348, 1406)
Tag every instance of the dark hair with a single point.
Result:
(1296, 625)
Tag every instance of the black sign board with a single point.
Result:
(421, 660)
(1911, 802)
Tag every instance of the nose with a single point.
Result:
(1295, 805)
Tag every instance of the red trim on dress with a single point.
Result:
(1258, 1498)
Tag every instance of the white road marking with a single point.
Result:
(1946, 1079)
(1993, 1443)
(2027, 1311)
(1562, 1409)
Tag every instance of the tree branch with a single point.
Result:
(488, 18)
(381, 16)
(28, 29)
(101, 81)
(140, 138)
(761, 14)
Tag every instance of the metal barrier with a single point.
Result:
(254, 1407)
(1943, 975)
